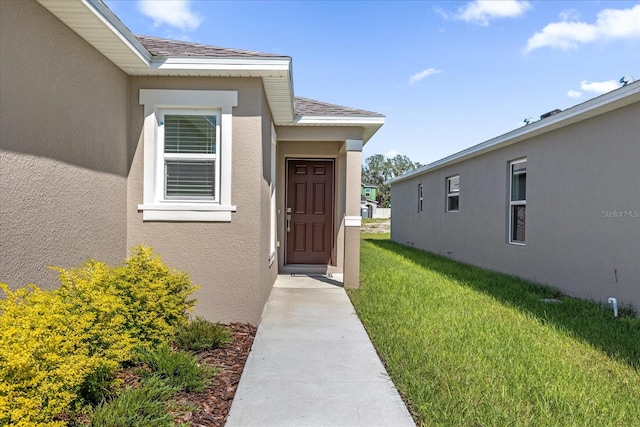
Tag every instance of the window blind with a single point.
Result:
(190, 134)
(190, 156)
(191, 179)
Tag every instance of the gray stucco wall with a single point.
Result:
(583, 209)
(228, 260)
(63, 148)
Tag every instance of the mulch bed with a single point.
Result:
(210, 407)
(213, 403)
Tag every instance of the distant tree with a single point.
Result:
(379, 169)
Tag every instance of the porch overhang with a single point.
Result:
(369, 125)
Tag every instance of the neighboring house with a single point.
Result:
(108, 140)
(369, 191)
(556, 201)
(368, 203)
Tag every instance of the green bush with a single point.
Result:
(57, 347)
(144, 406)
(148, 301)
(178, 369)
(201, 334)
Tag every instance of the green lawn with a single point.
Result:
(468, 347)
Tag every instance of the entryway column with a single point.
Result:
(353, 218)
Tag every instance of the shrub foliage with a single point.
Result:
(52, 343)
(201, 334)
(176, 368)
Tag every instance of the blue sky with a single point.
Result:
(446, 74)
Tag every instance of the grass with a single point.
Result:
(468, 347)
(176, 368)
(374, 220)
(200, 334)
(145, 406)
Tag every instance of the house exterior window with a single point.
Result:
(420, 195)
(517, 201)
(453, 193)
(187, 155)
(367, 193)
(189, 140)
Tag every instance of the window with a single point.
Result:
(518, 201)
(191, 171)
(367, 192)
(187, 155)
(453, 193)
(420, 194)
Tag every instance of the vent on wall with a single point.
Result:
(550, 113)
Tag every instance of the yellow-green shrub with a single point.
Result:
(51, 342)
(43, 358)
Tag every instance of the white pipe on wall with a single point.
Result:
(614, 303)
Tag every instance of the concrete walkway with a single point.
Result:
(312, 364)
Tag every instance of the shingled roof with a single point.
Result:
(163, 47)
(311, 107)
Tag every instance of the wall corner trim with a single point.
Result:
(352, 221)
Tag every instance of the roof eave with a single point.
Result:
(602, 104)
(96, 24)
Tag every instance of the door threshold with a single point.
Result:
(305, 269)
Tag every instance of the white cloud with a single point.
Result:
(610, 24)
(482, 11)
(574, 94)
(391, 154)
(599, 87)
(422, 74)
(569, 15)
(175, 13)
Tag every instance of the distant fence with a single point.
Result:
(382, 213)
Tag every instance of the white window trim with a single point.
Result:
(420, 197)
(513, 203)
(155, 207)
(453, 193)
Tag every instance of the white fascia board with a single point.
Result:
(281, 66)
(119, 29)
(337, 120)
(610, 101)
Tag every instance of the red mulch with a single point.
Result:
(213, 403)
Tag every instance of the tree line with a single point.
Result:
(379, 169)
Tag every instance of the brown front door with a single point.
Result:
(310, 206)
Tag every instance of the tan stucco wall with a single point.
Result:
(228, 260)
(575, 176)
(352, 209)
(63, 148)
